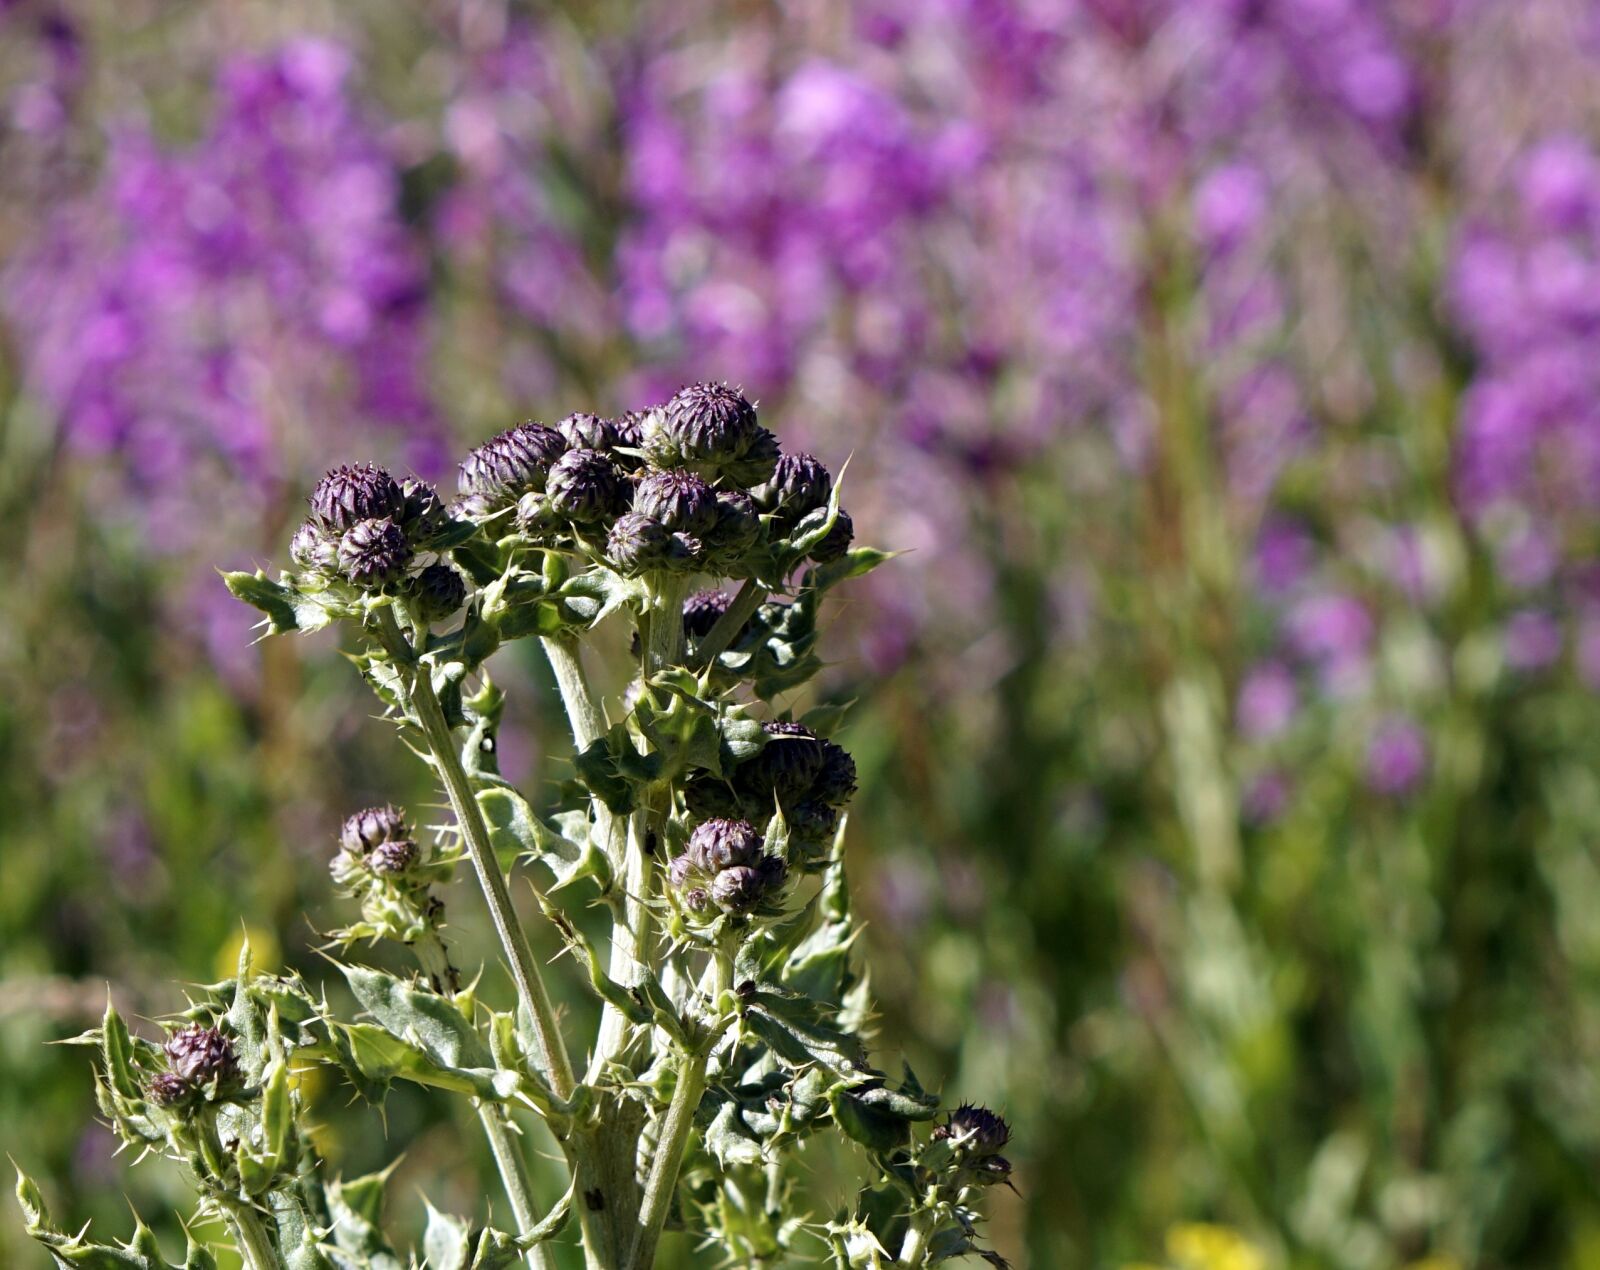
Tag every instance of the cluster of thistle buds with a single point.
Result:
(725, 868)
(201, 1067)
(381, 863)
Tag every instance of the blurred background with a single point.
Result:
(1228, 371)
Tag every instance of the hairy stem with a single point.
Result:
(914, 1248)
(727, 627)
(435, 963)
(552, 1051)
(255, 1248)
(663, 1179)
(588, 724)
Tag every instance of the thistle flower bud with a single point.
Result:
(536, 515)
(348, 495)
(741, 888)
(757, 463)
(585, 486)
(638, 543)
(680, 871)
(737, 890)
(737, 527)
(788, 763)
(835, 783)
(708, 797)
(202, 1055)
(424, 513)
(505, 467)
(374, 554)
(313, 550)
(977, 1129)
(813, 822)
(697, 899)
(679, 500)
(836, 541)
(367, 829)
(393, 857)
(702, 610)
(799, 484)
(169, 1090)
(439, 591)
(703, 425)
(722, 844)
(587, 432)
(629, 429)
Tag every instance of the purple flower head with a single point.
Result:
(1397, 757)
(1533, 640)
(1267, 701)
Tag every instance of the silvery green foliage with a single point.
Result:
(709, 829)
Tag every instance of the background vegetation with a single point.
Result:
(1227, 371)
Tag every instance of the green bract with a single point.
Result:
(707, 826)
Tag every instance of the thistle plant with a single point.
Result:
(705, 826)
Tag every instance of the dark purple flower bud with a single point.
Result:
(167, 1089)
(697, 899)
(537, 516)
(587, 432)
(679, 500)
(424, 514)
(702, 610)
(393, 857)
(374, 554)
(706, 797)
(812, 821)
(738, 890)
(506, 467)
(313, 550)
(439, 591)
(629, 429)
(835, 784)
(704, 425)
(799, 484)
(721, 844)
(836, 541)
(202, 1055)
(680, 871)
(773, 870)
(585, 486)
(367, 829)
(787, 764)
(737, 527)
(758, 462)
(638, 543)
(348, 495)
(977, 1129)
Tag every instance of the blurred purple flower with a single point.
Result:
(200, 315)
(1267, 701)
(1533, 640)
(1397, 756)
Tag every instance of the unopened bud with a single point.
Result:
(393, 857)
(585, 487)
(721, 844)
(679, 500)
(439, 591)
(202, 1055)
(348, 495)
(313, 550)
(502, 469)
(367, 829)
(374, 553)
(638, 543)
(167, 1089)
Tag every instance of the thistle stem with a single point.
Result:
(255, 1248)
(435, 962)
(552, 1051)
(727, 627)
(663, 1179)
(588, 725)
(914, 1248)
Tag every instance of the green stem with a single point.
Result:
(435, 963)
(552, 1051)
(588, 724)
(663, 1179)
(255, 1248)
(914, 1248)
(728, 626)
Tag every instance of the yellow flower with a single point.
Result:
(265, 954)
(1201, 1246)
